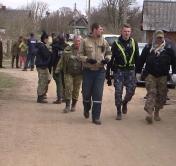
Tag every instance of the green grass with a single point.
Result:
(7, 81)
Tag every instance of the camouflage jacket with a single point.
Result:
(94, 48)
(69, 53)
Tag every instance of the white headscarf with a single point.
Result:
(156, 47)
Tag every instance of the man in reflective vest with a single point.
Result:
(125, 52)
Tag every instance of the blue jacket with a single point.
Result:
(32, 45)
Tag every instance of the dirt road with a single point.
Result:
(34, 134)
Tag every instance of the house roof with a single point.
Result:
(8, 15)
(82, 21)
(159, 14)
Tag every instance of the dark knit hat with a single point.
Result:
(44, 36)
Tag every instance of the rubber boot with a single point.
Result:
(96, 121)
(58, 101)
(149, 117)
(124, 108)
(73, 107)
(156, 115)
(119, 114)
(67, 106)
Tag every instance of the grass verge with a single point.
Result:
(7, 81)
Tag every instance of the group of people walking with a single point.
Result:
(89, 61)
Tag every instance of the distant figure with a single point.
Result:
(15, 53)
(31, 52)
(1, 54)
(22, 51)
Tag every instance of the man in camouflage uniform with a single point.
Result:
(72, 69)
(42, 62)
(95, 54)
(124, 56)
(15, 53)
(157, 57)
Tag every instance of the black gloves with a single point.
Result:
(91, 61)
(105, 61)
(109, 82)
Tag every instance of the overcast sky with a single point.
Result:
(56, 4)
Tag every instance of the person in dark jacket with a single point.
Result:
(58, 47)
(125, 52)
(1, 54)
(31, 52)
(157, 58)
(43, 61)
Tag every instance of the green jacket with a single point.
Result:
(64, 64)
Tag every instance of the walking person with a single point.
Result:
(58, 47)
(43, 61)
(95, 54)
(72, 69)
(125, 52)
(157, 58)
(22, 51)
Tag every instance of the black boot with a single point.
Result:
(119, 114)
(124, 108)
(67, 106)
(96, 121)
(41, 99)
(58, 101)
(156, 115)
(73, 107)
(87, 107)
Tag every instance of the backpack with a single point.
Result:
(74, 67)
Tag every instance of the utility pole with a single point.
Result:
(89, 22)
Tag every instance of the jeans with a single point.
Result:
(92, 91)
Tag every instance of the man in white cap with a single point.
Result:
(157, 57)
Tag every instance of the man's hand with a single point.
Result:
(109, 82)
(91, 61)
(105, 61)
(174, 78)
(138, 76)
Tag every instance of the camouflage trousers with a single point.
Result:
(156, 93)
(44, 78)
(59, 85)
(124, 78)
(72, 86)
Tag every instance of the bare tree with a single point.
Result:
(37, 11)
(58, 21)
(117, 11)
